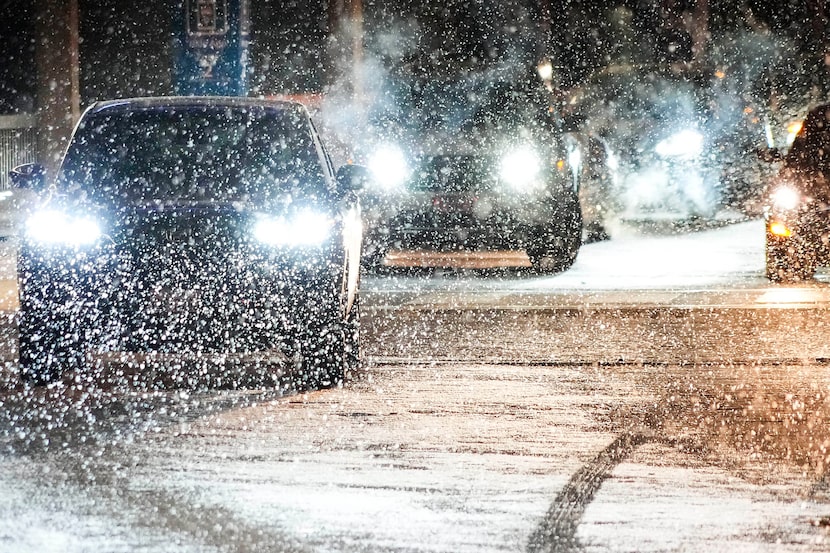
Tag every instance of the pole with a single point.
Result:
(58, 88)
(700, 31)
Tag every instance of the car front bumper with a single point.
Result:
(169, 302)
(459, 222)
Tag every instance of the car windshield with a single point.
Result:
(193, 154)
(468, 102)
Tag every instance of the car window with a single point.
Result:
(193, 154)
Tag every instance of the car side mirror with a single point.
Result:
(29, 176)
(352, 178)
(769, 155)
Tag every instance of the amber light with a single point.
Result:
(780, 229)
(795, 127)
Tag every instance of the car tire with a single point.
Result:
(323, 356)
(556, 249)
(48, 345)
(327, 343)
(37, 365)
(787, 261)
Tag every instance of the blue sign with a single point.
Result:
(212, 48)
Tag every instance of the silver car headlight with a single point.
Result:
(520, 168)
(303, 228)
(785, 197)
(687, 144)
(389, 167)
(55, 227)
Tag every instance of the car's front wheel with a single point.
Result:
(351, 335)
(553, 248)
(50, 340)
(39, 361)
(322, 349)
(330, 345)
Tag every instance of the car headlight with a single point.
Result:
(785, 197)
(520, 168)
(304, 228)
(54, 227)
(686, 144)
(388, 167)
(575, 158)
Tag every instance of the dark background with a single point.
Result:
(126, 49)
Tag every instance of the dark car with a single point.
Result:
(465, 168)
(459, 203)
(207, 233)
(797, 211)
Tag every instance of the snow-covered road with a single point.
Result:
(660, 396)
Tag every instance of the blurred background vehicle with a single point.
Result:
(467, 152)
(797, 208)
(655, 121)
(486, 174)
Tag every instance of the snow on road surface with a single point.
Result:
(722, 267)
(519, 433)
(729, 256)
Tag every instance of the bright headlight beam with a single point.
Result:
(575, 158)
(389, 167)
(520, 168)
(58, 228)
(301, 229)
(785, 197)
(685, 144)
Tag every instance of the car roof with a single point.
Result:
(162, 102)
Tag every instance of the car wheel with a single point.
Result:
(48, 345)
(323, 342)
(323, 356)
(787, 261)
(555, 250)
(36, 363)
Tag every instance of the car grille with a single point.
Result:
(454, 175)
(190, 284)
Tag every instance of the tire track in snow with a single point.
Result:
(557, 532)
